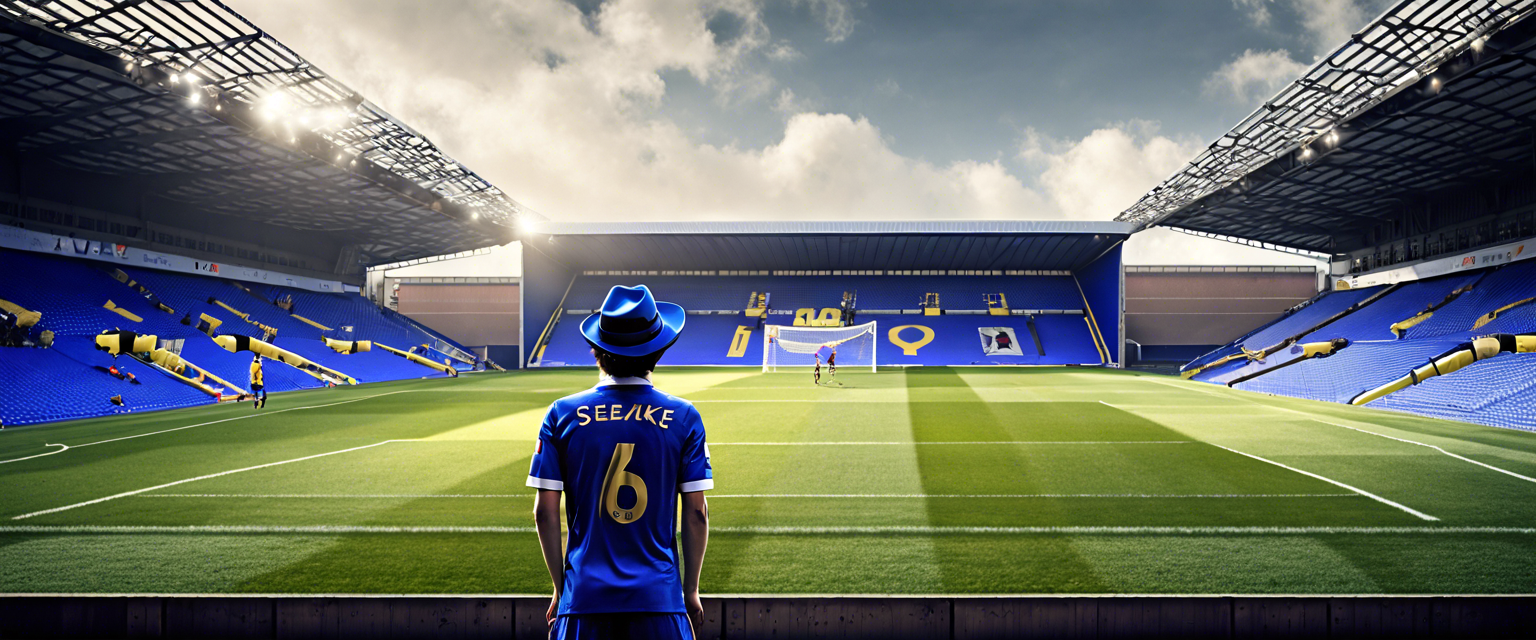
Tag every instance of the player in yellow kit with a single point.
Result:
(258, 384)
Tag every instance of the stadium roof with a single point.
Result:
(967, 245)
(1433, 94)
(188, 102)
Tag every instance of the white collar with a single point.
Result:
(609, 382)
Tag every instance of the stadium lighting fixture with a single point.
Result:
(1478, 43)
(195, 97)
(1333, 138)
(1434, 84)
(175, 78)
(1306, 153)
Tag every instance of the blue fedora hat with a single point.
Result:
(632, 323)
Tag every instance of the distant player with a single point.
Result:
(258, 384)
(832, 363)
(621, 453)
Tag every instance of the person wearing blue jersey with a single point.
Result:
(625, 455)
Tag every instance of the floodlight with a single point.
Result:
(195, 97)
(1306, 153)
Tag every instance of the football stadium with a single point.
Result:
(922, 429)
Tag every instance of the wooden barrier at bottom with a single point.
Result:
(768, 617)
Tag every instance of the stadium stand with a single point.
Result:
(890, 301)
(1457, 309)
(71, 380)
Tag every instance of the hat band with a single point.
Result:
(630, 338)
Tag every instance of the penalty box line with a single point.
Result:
(1409, 510)
(126, 494)
(772, 530)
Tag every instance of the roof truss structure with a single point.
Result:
(190, 100)
(1433, 94)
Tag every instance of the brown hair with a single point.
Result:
(626, 366)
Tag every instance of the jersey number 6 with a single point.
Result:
(618, 477)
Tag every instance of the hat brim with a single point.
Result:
(672, 319)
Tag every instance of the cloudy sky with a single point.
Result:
(824, 109)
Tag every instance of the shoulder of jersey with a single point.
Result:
(678, 399)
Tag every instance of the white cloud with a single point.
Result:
(1166, 246)
(584, 138)
(1256, 10)
(1255, 75)
(783, 52)
(788, 104)
(1330, 23)
(1102, 174)
(836, 17)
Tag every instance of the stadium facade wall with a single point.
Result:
(1177, 313)
(545, 283)
(471, 314)
(752, 618)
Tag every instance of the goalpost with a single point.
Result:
(789, 346)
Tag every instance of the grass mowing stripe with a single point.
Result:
(808, 443)
(1458, 457)
(403, 496)
(1035, 495)
(1133, 531)
(1344, 426)
(772, 530)
(387, 496)
(1418, 514)
(204, 477)
(203, 424)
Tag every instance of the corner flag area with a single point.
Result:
(915, 481)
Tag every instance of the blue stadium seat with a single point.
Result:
(707, 340)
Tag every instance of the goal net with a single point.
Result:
(788, 346)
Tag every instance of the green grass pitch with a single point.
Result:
(923, 481)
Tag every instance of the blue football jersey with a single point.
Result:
(621, 452)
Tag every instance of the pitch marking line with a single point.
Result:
(922, 530)
(858, 444)
(1458, 457)
(1419, 514)
(66, 448)
(1342, 426)
(204, 477)
(204, 424)
(403, 496)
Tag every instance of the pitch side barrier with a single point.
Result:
(751, 617)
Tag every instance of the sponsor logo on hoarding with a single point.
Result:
(120, 250)
(209, 267)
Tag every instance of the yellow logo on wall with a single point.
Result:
(910, 348)
(829, 317)
(740, 342)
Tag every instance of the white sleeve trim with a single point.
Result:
(697, 485)
(545, 483)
